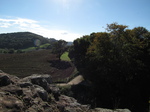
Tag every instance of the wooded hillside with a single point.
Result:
(21, 40)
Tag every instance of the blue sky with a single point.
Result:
(71, 19)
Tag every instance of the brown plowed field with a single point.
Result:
(35, 62)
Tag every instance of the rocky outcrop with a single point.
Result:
(4, 80)
(36, 93)
(108, 110)
(68, 104)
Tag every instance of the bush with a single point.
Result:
(20, 51)
(11, 51)
(66, 90)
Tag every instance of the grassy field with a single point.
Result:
(35, 62)
(34, 48)
(29, 49)
(65, 57)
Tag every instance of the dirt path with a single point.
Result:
(74, 81)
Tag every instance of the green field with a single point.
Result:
(65, 57)
(44, 46)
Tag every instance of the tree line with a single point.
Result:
(117, 65)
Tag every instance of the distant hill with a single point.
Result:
(22, 40)
(70, 43)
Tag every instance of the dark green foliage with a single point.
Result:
(117, 64)
(66, 90)
(59, 48)
(19, 51)
(11, 51)
(21, 40)
(78, 51)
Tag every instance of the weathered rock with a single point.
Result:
(123, 110)
(69, 104)
(41, 80)
(41, 93)
(40, 77)
(108, 110)
(12, 89)
(10, 103)
(24, 84)
(42, 107)
(14, 79)
(36, 93)
(27, 95)
(4, 80)
(55, 91)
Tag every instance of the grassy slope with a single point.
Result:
(36, 62)
(65, 57)
(34, 48)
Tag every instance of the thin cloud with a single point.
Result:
(21, 24)
(5, 25)
(64, 33)
(18, 21)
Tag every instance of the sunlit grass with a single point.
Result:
(44, 45)
(29, 49)
(65, 57)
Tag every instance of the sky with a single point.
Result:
(71, 19)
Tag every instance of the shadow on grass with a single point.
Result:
(59, 64)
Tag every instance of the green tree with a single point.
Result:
(115, 62)
(11, 51)
(78, 51)
(138, 32)
(59, 48)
